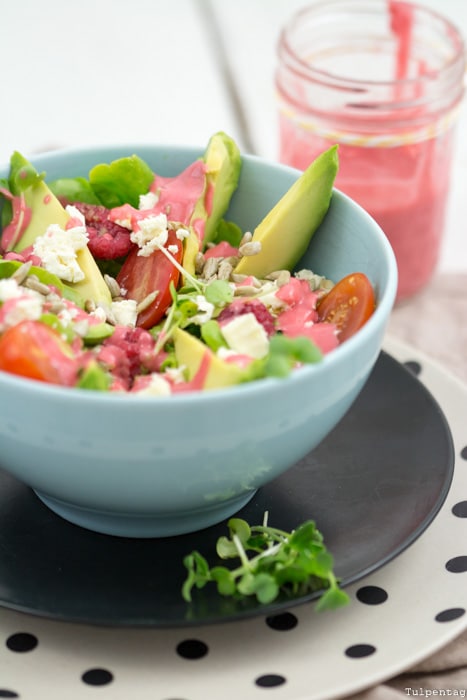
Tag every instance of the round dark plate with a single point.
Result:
(373, 486)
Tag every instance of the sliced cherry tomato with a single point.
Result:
(33, 349)
(141, 276)
(348, 305)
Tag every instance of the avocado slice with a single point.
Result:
(287, 229)
(223, 165)
(189, 352)
(45, 209)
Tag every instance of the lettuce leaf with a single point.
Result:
(122, 181)
(74, 189)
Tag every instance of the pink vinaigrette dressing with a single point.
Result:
(395, 133)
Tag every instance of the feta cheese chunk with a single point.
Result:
(124, 312)
(205, 310)
(148, 200)
(152, 233)
(57, 248)
(19, 309)
(156, 386)
(246, 335)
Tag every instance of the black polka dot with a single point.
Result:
(192, 649)
(97, 676)
(270, 680)
(372, 595)
(449, 614)
(460, 509)
(358, 651)
(464, 452)
(283, 622)
(414, 366)
(457, 565)
(21, 642)
(8, 694)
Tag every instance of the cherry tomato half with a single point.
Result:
(348, 305)
(34, 350)
(141, 276)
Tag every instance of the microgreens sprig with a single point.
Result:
(295, 563)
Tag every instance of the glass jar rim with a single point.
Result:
(456, 64)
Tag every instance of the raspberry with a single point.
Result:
(254, 306)
(107, 240)
(126, 353)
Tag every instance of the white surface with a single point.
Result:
(117, 71)
(145, 665)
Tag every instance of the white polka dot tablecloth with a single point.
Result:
(399, 615)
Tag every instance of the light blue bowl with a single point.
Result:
(160, 466)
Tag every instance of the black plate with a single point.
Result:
(373, 486)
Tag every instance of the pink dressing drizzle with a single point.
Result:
(197, 382)
(401, 26)
(20, 220)
(178, 195)
(177, 199)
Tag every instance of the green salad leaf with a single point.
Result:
(268, 562)
(228, 231)
(74, 189)
(23, 175)
(122, 181)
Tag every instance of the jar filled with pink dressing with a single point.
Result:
(384, 79)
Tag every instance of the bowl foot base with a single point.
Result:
(144, 526)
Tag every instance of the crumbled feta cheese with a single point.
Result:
(10, 289)
(148, 201)
(175, 374)
(99, 313)
(157, 386)
(224, 353)
(58, 249)
(246, 335)
(67, 315)
(81, 327)
(124, 312)
(24, 308)
(267, 295)
(124, 223)
(182, 233)
(205, 310)
(151, 234)
(75, 214)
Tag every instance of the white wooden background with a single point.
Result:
(104, 71)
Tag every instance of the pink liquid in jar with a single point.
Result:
(391, 106)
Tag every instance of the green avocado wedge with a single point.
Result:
(45, 209)
(223, 166)
(287, 229)
(190, 352)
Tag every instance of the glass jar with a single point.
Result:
(384, 79)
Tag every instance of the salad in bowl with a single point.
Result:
(130, 281)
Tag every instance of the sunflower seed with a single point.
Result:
(32, 282)
(224, 270)
(113, 285)
(246, 238)
(250, 248)
(237, 278)
(22, 272)
(210, 267)
(147, 301)
(199, 263)
(89, 306)
(55, 306)
(245, 290)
